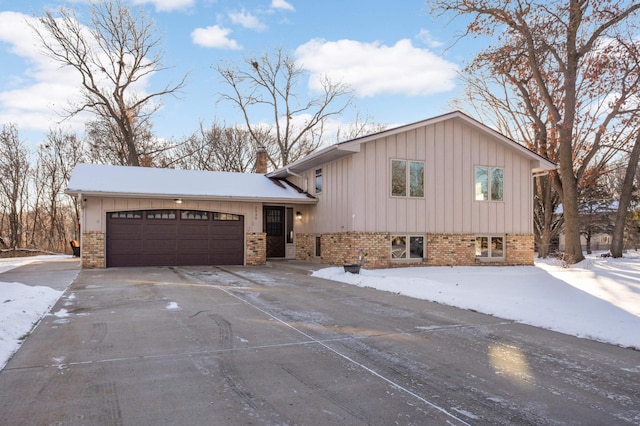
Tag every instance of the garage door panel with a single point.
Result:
(127, 228)
(151, 241)
(126, 245)
(160, 230)
(194, 230)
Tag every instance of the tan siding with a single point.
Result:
(96, 208)
(432, 183)
(465, 188)
(382, 189)
(438, 198)
(359, 185)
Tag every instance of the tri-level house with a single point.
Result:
(443, 191)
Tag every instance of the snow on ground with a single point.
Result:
(597, 299)
(21, 306)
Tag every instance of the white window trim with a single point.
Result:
(407, 178)
(489, 174)
(408, 252)
(490, 259)
(315, 180)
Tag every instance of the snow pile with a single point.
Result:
(598, 299)
(21, 307)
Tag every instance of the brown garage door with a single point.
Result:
(174, 237)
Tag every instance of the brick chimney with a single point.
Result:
(261, 161)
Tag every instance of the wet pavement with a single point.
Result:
(272, 345)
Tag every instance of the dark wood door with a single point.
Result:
(275, 230)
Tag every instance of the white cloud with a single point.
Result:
(214, 36)
(167, 5)
(426, 37)
(36, 95)
(281, 4)
(247, 20)
(374, 69)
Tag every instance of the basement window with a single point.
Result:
(490, 248)
(405, 247)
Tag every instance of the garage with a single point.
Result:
(174, 237)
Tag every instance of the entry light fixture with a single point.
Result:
(178, 200)
(298, 215)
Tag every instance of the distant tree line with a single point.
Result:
(562, 78)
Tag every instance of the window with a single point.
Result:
(126, 215)
(407, 175)
(318, 181)
(161, 214)
(225, 216)
(318, 246)
(289, 225)
(400, 249)
(489, 183)
(490, 247)
(194, 215)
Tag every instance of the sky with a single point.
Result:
(596, 299)
(401, 62)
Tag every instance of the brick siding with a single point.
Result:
(441, 250)
(92, 250)
(256, 249)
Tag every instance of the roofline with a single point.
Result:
(353, 145)
(185, 197)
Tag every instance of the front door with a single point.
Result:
(275, 230)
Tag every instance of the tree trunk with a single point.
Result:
(573, 248)
(588, 238)
(545, 241)
(617, 240)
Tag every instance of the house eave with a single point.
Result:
(343, 149)
(189, 197)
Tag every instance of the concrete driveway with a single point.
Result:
(272, 345)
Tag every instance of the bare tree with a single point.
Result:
(360, 126)
(626, 194)
(219, 148)
(269, 85)
(106, 145)
(114, 56)
(55, 220)
(561, 50)
(14, 179)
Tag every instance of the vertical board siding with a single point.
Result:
(450, 150)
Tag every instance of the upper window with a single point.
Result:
(407, 178)
(489, 183)
(318, 181)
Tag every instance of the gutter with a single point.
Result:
(189, 197)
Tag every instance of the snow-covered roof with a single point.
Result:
(145, 182)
